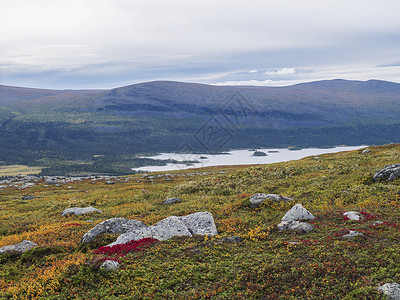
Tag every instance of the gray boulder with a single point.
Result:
(78, 211)
(28, 197)
(297, 212)
(110, 266)
(297, 226)
(200, 223)
(389, 173)
(114, 225)
(21, 247)
(392, 290)
(172, 201)
(257, 199)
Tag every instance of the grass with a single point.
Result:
(266, 264)
(13, 170)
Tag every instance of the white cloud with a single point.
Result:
(284, 71)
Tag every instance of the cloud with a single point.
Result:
(284, 71)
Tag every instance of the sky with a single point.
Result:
(85, 44)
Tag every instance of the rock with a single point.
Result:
(352, 215)
(392, 290)
(259, 153)
(376, 223)
(110, 182)
(366, 151)
(110, 265)
(21, 247)
(28, 197)
(163, 230)
(114, 225)
(200, 223)
(172, 201)
(352, 234)
(389, 173)
(257, 199)
(295, 226)
(77, 211)
(297, 212)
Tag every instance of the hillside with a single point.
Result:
(40, 127)
(248, 259)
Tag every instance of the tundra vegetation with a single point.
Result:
(262, 263)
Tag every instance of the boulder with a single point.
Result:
(114, 225)
(297, 212)
(297, 226)
(21, 247)
(257, 199)
(366, 151)
(352, 215)
(172, 201)
(392, 290)
(200, 223)
(28, 197)
(389, 173)
(110, 266)
(78, 211)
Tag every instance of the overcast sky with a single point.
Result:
(107, 43)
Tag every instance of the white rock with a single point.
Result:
(200, 223)
(352, 234)
(295, 226)
(366, 151)
(352, 215)
(110, 265)
(297, 212)
(392, 290)
(77, 211)
(21, 247)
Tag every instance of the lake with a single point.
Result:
(239, 157)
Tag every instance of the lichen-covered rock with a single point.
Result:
(352, 215)
(172, 201)
(392, 290)
(352, 234)
(114, 225)
(21, 247)
(389, 173)
(297, 226)
(78, 211)
(110, 265)
(200, 223)
(297, 212)
(257, 199)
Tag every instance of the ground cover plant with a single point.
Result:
(266, 263)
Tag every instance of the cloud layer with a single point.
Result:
(105, 43)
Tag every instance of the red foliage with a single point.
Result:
(367, 216)
(123, 249)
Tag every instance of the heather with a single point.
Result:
(266, 263)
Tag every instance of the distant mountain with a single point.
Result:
(172, 116)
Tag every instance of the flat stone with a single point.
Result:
(78, 211)
(352, 215)
(352, 234)
(21, 247)
(257, 199)
(297, 226)
(297, 212)
(172, 201)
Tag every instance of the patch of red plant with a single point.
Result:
(123, 249)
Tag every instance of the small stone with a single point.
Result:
(110, 266)
(366, 151)
(377, 223)
(28, 197)
(392, 290)
(77, 211)
(258, 198)
(352, 234)
(110, 182)
(297, 212)
(352, 215)
(172, 201)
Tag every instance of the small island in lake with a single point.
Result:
(259, 153)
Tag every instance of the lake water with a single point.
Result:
(239, 157)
